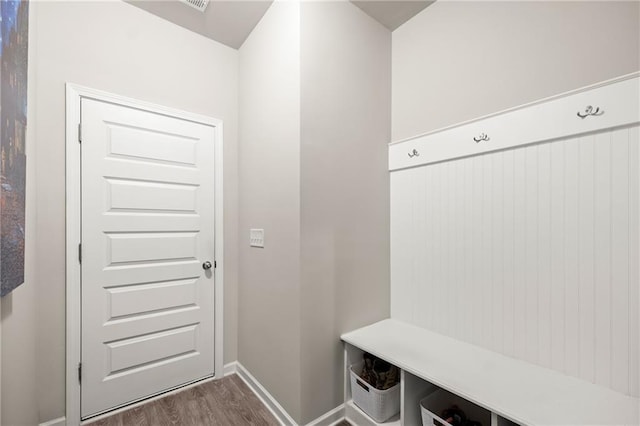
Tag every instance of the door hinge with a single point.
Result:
(80, 252)
(80, 373)
(79, 133)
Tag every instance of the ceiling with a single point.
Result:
(231, 21)
(391, 13)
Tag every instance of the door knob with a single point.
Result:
(206, 265)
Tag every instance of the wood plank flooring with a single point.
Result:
(224, 402)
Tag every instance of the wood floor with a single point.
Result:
(224, 402)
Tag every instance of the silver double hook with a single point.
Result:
(589, 110)
(482, 137)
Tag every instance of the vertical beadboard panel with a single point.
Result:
(544, 255)
(467, 259)
(401, 257)
(572, 297)
(497, 239)
(436, 265)
(419, 238)
(558, 291)
(447, 244)
(457, 238)
(620, 260)
(432, 284)
(476, 247)
(519, 258)
(532, 252)
(486, 239)
(602, 253)
(634, 261)
(509, 271)
(586, 257)
(460, 239)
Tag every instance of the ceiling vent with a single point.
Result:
(201, 5)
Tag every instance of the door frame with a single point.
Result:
(74, 94)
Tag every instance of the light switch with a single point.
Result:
(256, 238)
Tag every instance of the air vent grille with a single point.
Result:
(201, 5)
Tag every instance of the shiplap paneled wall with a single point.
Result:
(531, 252)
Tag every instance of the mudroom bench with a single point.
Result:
(511, 391)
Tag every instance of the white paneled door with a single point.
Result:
(147, 253)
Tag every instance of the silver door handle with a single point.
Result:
(206, 265)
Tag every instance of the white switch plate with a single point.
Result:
(256, 238)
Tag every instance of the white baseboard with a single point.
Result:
(230, 368)
(267, 399)
(357, 417)
(331, 418)
(60, 421)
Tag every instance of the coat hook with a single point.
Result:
(414, 153)
(590, 111)
(482, 137)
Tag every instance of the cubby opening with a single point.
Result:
(417, 390)
(497, 420)
(354, 356)
(413, 390)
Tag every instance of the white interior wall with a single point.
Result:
(269, 174)
(18, 309)
(346, 110)
(459, 60)
(116, 47)
(315, 91)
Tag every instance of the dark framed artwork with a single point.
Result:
(14, 33)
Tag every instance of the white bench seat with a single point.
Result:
(516, 390)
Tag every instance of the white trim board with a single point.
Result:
(230, 368)
(60, 421)
(74, 94)
(263, 395)
(355, 415)
(328, 419)
(526, 105)
(616, 102)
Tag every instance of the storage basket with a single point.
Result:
(380, 405)
(439, 400)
